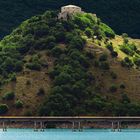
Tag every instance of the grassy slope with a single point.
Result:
(28, 93)
(129, 77)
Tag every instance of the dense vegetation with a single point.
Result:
(123, 16)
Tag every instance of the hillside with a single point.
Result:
(122, 16)
(74, 67)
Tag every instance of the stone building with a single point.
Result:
(69, 10)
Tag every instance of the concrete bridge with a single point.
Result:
(74, 120)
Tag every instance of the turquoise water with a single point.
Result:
(28, 134)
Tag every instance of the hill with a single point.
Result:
(77, 66)
(122, 16)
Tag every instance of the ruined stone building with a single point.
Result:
(69, 10)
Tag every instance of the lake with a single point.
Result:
(61, 134)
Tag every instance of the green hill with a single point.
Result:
(122, 16)
(77, 66)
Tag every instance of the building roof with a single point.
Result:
(72, 6)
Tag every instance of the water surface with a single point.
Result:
(60, 134)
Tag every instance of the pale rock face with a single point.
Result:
(69, 10)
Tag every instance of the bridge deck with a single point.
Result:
(69, 118)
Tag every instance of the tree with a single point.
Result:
(8, 65)
(34, 66)
(114, 54)
(136, 61)
(125, 98)
(62, 78)
(107, 30)
(122, 86)
(88, 32)
(56, 51)
(109, 46)
(103, 57)
(56, 105)
(113, 75)
(113, 88)
(9, 96)
(127, 62)
(104, 65)
(18, 104)
(77, 43)
(3, 109)
(41, 92)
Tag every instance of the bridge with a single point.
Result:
(74, 120)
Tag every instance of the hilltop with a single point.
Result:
(122, 16)
(77, 66)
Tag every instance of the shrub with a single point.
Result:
(125, 40)
(127, 62)
(28, 113)
(34, 63)
(18, 66)
(113, 75)
(107, 30)
(18, 104)
(28, 82)
(129, 49)
(9, 96)
(109, 46)
(60, 36)
(34, 66)
(3, 109)
(104, 65)
(96, 63)
(124, 35)
(122, 86)
(126, 50)
(41, 91)
(88, 32)
(8, 64)
(103, 57)
(53, 72)
(77, 43)
(51, 39)
(97, 32)
(51, 45)
(136, 61)
(13, 77)
(125, 98)
(56, 51)
(113, 88)
(114, 54)
(63, 78)
(90, 55)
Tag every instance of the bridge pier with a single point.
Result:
(35, 126)
(117, 128)
(78, 126)
(113, 129)
(42, 126)
(73, 126)
(4, 126)
(38, 125)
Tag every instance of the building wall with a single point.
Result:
(68, 10)
(71, 9)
